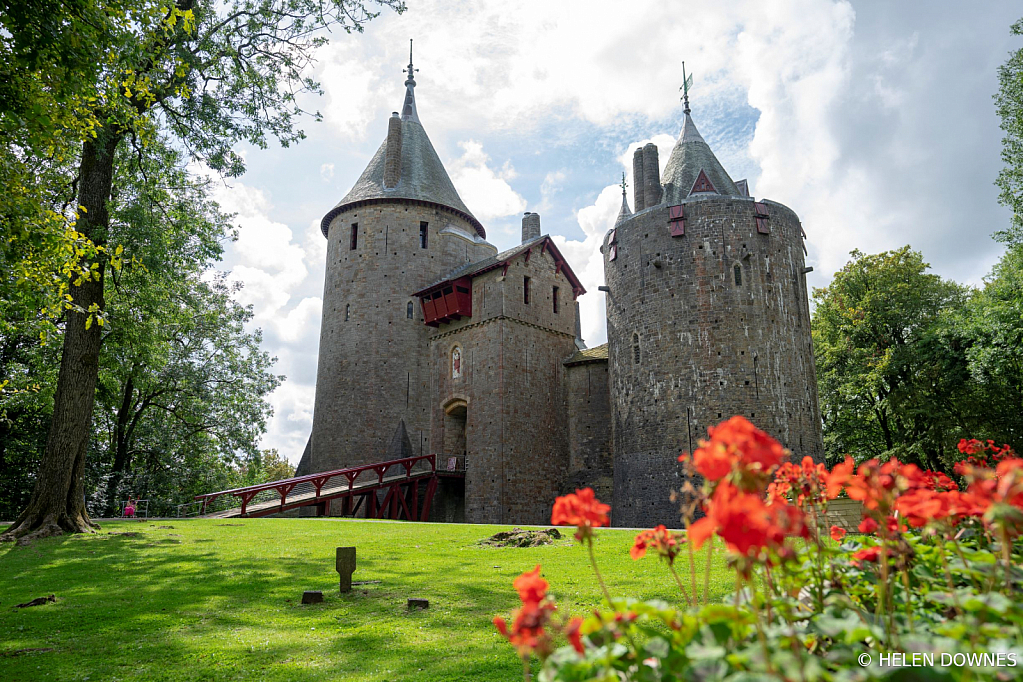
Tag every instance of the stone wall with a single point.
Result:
(513, 389)
(591, 463)
(373, 368)
(709, 347)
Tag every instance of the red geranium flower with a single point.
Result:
(666, 544)
(527, 632)
(572, 631)
(531, 587)
(837, 533)
(867, 526)
(836, 479)
(581, 509)
(746, 523)
(803, 483)
(871, 554)
(736, 446)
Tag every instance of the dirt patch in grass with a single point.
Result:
(517, 537)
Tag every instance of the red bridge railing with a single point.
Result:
(316, 489)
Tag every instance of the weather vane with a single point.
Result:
(623, 184)
(686, 84)
(410, 70)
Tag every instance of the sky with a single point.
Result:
(873, 121)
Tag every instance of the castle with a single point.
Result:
(433, 342)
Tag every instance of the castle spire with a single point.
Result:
(408, 109)
(405, 167)
(692, 167)
(625, 213)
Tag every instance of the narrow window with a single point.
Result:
(635, 349)
(525, 290)
(409, 309)
(424, 234)
(355, 237)
(348, 311)
(554, 298)
(738, 274)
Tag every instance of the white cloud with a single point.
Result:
(486, 192)
(267, 262)
(327, 171)
(301, 322)
(351, 89)
(587, 262)
(289, 428)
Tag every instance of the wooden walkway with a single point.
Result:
(352, 489)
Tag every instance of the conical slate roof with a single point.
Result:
(691, 155)
(423, 177)
(625, 213)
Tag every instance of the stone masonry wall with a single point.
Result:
(708, 347)
(591, 463)
(373, 368)
(514, 388)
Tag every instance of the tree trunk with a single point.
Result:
(57, 504)
(122, 456)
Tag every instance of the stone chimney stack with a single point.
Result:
(638, 181)
(579, 343)
(392, 154)
(651, 176)
(530, 226)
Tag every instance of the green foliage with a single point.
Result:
(908, 363)
(183, 385)
(1009, 105)
(886, 384)
(216, 600)
(182, 395)
(990, 329)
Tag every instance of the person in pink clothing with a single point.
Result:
(129, 509)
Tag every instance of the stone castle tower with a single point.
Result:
(432, 342)
(400, 228)
(707, 317)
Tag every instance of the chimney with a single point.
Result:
(638, 185)
(530, 226)
(651, 176)
(579, 343)
(392, 154)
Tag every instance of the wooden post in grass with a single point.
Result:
(345, 567)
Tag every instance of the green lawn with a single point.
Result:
(220, 600)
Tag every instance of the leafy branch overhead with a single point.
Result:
(197, 75)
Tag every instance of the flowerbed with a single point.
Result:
(929, 590)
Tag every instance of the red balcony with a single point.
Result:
(449, 301)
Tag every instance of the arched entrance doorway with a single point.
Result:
(455, 413)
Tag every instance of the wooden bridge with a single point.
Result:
(386, 490)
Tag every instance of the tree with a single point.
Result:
(179, 372)
(991, 334)
(888, 384)
(212, 75)
(1009, 105)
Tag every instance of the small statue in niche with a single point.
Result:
(456, 363)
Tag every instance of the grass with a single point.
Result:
(220, 600)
